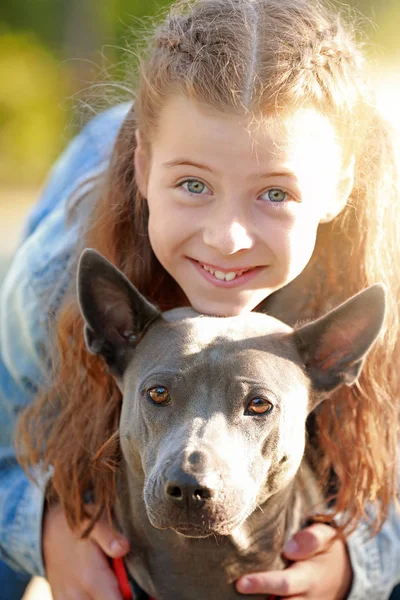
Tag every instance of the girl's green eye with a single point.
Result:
(194, 186)
(275, 195)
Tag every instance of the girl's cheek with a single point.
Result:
(281, 235)
(295, 244)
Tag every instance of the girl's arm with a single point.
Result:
(30, 295)
(21, 501)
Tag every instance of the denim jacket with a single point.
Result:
(31, 294)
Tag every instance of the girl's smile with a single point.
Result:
(226, 277)
(234, 212)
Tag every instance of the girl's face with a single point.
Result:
(233, 213)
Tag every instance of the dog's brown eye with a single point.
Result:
(259, 406)
(159, 395)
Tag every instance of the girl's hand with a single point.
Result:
(323, 570)
(78, 569)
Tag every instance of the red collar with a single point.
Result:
(122, 577)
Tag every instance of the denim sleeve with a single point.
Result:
(30, 296)
(375, 559)
(21, 501)
(30, 290)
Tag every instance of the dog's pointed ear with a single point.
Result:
(115, 313)
(333, 348)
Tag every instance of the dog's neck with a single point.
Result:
(168, 565)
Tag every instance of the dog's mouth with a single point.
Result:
(202, 525)
(193, 531)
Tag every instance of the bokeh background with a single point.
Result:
(58, 59)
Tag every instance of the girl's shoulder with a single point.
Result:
(51, 234)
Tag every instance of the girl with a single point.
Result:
(252, 172)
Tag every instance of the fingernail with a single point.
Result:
(291, 547)
(116, 546)
(246, 584)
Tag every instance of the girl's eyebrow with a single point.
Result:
(283, 173)
(190, 163)
(184, 162)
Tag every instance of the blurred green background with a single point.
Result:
(51, 51)
(56, 57)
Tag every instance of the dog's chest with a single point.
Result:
(169, 566)
(198, 573)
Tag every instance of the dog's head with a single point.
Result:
(214, 409)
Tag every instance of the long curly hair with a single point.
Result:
(261, 57)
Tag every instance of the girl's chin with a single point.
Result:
(223, 309)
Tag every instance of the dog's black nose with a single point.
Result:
(186, 490)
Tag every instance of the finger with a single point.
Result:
(294, 580)
(75, 595)
(69, 594)
(113, 543)
(101, 584)
(104, 590)
(309, 541)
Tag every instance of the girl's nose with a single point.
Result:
(227, 237)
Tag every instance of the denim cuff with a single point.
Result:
(21, 545)
(373, 562)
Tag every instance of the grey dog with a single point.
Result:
(213, 478)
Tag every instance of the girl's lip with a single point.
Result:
(238, 281)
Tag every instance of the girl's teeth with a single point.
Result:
(222, 276)
(230, 276)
